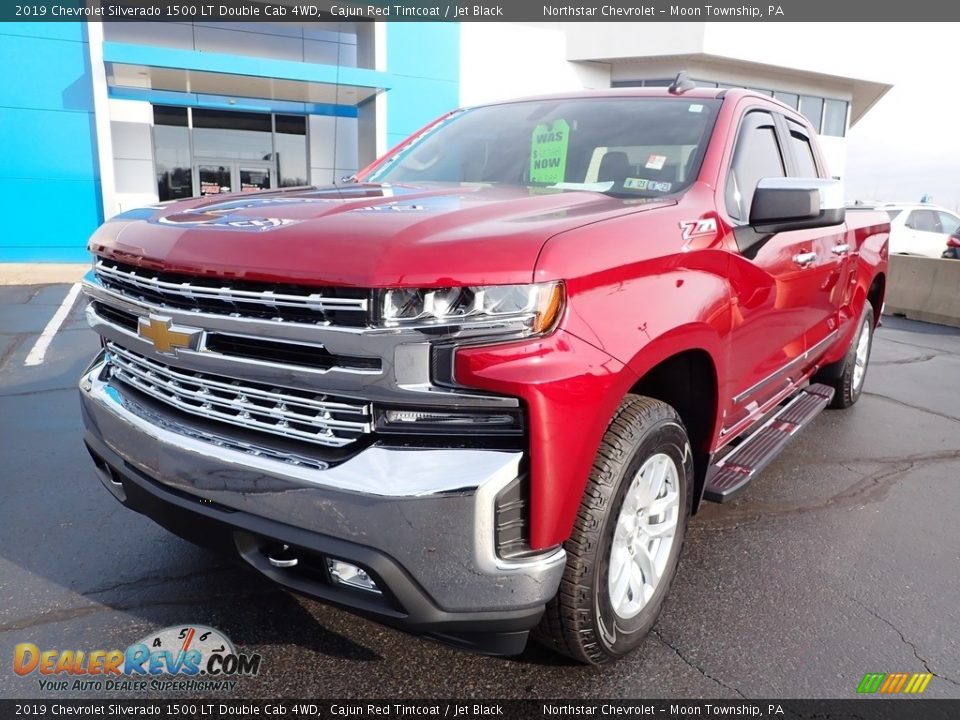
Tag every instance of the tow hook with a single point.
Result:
(280, 555)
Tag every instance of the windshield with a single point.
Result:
(634, 147)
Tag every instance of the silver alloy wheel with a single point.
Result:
(644, 535)
(862, 356)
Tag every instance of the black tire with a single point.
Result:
(846, 392)
(580, 621)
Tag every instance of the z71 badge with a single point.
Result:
(698, 228)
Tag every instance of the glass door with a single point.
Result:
(254, 176)
(215, 178)
(223, 176)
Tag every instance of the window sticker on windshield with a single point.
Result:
(659, 186)
(695, 108)
(635, 184)
(548, 152)
(656, 162)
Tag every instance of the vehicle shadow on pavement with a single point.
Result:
(261, 614)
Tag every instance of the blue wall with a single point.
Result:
(49, 177)
(423, 60)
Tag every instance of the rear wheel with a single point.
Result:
(625, 545)
(849, 383)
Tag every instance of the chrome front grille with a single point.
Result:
(239, 298)
(231, 443)
(292, 414)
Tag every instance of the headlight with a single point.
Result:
(523, 309)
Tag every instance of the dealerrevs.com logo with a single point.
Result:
(190, 657)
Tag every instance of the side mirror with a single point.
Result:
(782, 204)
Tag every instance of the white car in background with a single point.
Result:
(919, 229)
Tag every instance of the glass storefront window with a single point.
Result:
(291, 147)
(171, 141)
(812, 108)
(200, 151)
(835, 118)
(231, 134)
(168, 115)
(786, 98)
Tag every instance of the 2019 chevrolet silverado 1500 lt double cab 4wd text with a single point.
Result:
(479, 391)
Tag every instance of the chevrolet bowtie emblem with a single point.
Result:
(166, 336)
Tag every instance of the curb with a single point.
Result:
(41, 273)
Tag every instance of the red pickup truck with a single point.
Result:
(478, 391)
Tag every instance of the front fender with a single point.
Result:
(571, 390)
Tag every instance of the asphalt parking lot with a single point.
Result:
(841, 559)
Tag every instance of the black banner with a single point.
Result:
(477, 10)
(860, 709)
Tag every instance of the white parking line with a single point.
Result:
(39, 349)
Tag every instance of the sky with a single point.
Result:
(908, 144)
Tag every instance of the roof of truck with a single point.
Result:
(698, 93)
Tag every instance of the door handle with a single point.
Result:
(805, 259)
(842, 249)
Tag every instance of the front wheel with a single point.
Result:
(625, 545)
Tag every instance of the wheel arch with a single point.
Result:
(688, 380)
(876, 295)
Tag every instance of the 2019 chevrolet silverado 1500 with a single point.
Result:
(479, 391)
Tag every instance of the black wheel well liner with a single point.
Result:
(875, 295)
(687, 382)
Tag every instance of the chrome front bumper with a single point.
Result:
(430, 512)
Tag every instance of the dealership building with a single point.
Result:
(98, 118)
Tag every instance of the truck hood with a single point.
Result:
(365, 235)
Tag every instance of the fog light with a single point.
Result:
(344, 573)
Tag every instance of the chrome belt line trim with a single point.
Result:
(806, 355)
(312, 301)
(384, 472)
